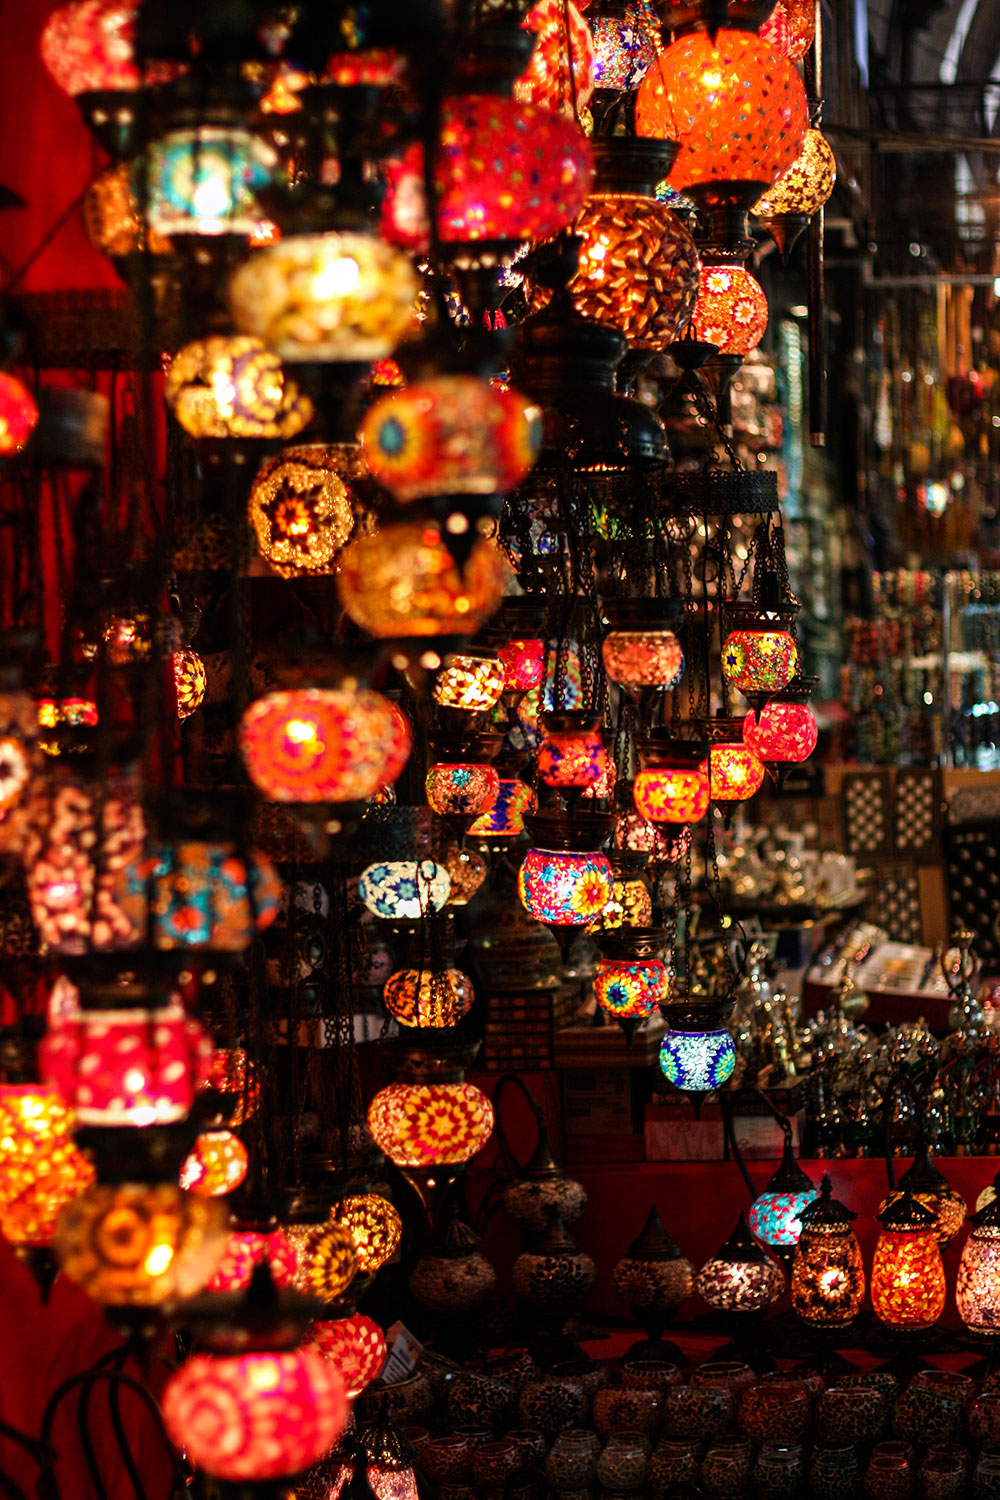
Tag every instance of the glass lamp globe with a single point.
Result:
(741, 1277)
(111, 215)
(428, 997)
(300, 507)
(673, 785)
(343, 295)
(41, 1168)
(908, 1282)
(231, 1075)
(18, 414)
(790, 28)
(977, 1287)
(735, 772)
(695, 1055)
(354, 1345)
(430, 1124)
(807, 184)
(450, 435)
(572, 753)
(466, 789)
(515, 801)
(204, 181)
(626, 43)
(327, 1261)
(469, 681)
(89, 46)
(828, 1277)
(731, 310)
(930, 1188)
(653, 1278)
(247, 1248)
(323, 744)
(738, 111)
(523, 664)
(558, 77)
(564, 887)
(247, 1418)
(226, 386)
(759, 654)
(403, 580)
(630, 988)
(140, 1245)
(630, 904)
(776, 1214)
(404, 890)
(467, 871)
(652, 657)
(190, 681)
(376, 1227)
(781, 733)
(201, 895)
(216, 1164)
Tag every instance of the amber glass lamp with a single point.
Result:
(300, 506)
(471, 681)
(642, 649)
(930, 1188)
(323, 744)
(18, 414)
(828, 1277)
(41, 1169)
(229, 386)
(190, 681)
(759, 654)
(630, 904)
(428, 997)
(216, 1164)
(801, 191)
(355, 1345)
(402, 580)
(735, 771)
(977, 1288)
(327, 1261)
(908, 1284)
(673, 785)
(790, 28)
(740, 1277)
(376, 1227)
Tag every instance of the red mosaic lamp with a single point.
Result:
(673, 784)
(355, 1346)
(790, 28)
(572, 754)
(18, 415)
(430, 1123)
(907, 1282)
(736, 773)
(785, 209)
(643, 649)
(565, 878)
(731, 311)
(560, 74)
(781, 729)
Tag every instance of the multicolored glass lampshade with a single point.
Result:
(450, 435)
(559, 77)
(226, 386)
(469, 681)
(503, 170)
(735, 771)
(626, 44)
(247, 1248)
(216, 1164)
(761, 659)
(782, 733)
(354, 1345)
(828, 1276)
(630, 988)
(731, 311)
(790, 28)
(404, 890)
(739, 112)
(231, 1074)
(327, 1261)
(139, 1245)
(64, 714)
(908, 1283)
(128, 1066)
(741, 1277)
(638, 268)
(428, 997)
(402, 580)
(977, 1287)
(323, 744)
(643, 658)
(564, 887)
(672, 793)
(666, 843)
(776, 1214)
(89, 45)
(111, 218)
(300, 507)
(329, 297)
(204, 181)
(515, 800)
(200, 895)
(430, 1124)
(190, 681)
(697, 1061)
(572, 754)
(807, 184)
(467, 789)
(253, 1417)
(41, 1168)
(18, 414)
(523, 664)
(631, 901)
(376, 1227)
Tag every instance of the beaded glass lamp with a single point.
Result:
(630, 980)
(908, 1284)
(470, 681)
(653, 1278)
(247, 1248)
(790, 28)
(735, 771)
(216, 1164)
(626, 42)
(404, 890)
(300, 506)
(89, 46)
(783, 730)
(355, 1346)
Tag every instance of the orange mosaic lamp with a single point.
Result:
(428, 997)
(559, 77)
(828, 1277)
(216, 1164)
(908, 1283)
(790, 28)
(300, 506)
(376, 1227)
(787, 206)
(18, 415)
(323, 744)
(736, 773)
(430, 1124)
(731, 311)
(930, 1188)
(402, 580)
(41, 1168)
(672, 786)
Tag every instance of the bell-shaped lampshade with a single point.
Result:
(828, 1277)
(731, 311)
(428, 997)
(931, 1188)
(342, 295)
(776, 1214)
(401, 579)
(376, 1227)
(450, 435)
(977, 1288)
(355, 1346)
(673, 785)
(18, 414)
(230, 386)
(738, 111)
(41, 1169)
(559, 77)
(908, 1283)
(430, 1124)
(740, 1277)
(300, 506)
(323, 744)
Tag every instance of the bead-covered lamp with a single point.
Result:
(908, 1284)
(828, 1277)
(323, 744)
(404, 890)
(630, 980)
(642, 648)
(788, 204)
(471, 681)
(790, 28)
(327, 1261)
(515, 801)
(463, 789)
(740, 1277)
(775, 1216)
(626, 42)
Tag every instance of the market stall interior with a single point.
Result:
(500, 749)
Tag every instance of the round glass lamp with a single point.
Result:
(323, 744)
(629, 988)
(464, 790)
(564, 887)
(354, 1345)
(430, 1124)
(642, 648)
(515, 801)
(470, 681)
(523, 664)
(204, 181)
(572, 753)
(653, 1278)
(731, 311)
(559, 77)
(376, 1227)
(673, 785)
(111, 215)
(402, 580)
(735, 772)
(18, 415)
(741, 1277)
(428, 997)
(828, 1277)
(404, 890)
(807, 184)
(190, 681)
(759, 654)
(929, 1187)
(216, 1164)
(300, 507)
(201, 895)
(226, 386)
(776, 1214)
(784, 730)
(697, 1052)
(908, 1283)
(790, 28)
(329, 297)
(41, 1169)
(327, 1261)
(248, 1248)
(88, 46)
(738, 111)
(630, 905)
(626, 43)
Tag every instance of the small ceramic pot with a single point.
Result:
(728, 1374)
(691, 1411)
(627, 1409)
(779, 1473)
(479, 1401)
(572, 1459)
(494, 1463)
(446, 1460)
(775, 1411)
(623, 1463)
(553, 1403)
(672, 1466)
(650, 1374)
(858, 1415)
(514, 1369)
(726, 1467)
(531, 1444)
(944, 1473)
(889, 1475)
(924, 1415)
(591, 1374)
(834, 1474)
(409, 1401)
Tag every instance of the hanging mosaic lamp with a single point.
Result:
(470, 681)
(776, 1214)
(735, 772)
(300, 506)
(790, 28)
(673, 785)
(560, 75)
(759, 654)
(248, 1248)
(630, 904)
(204, 179)
(323, 744)
(355, 1346)
(565, 879)
(740, 1277)
(908, 1283)
(626, 43)
(783, 730)
(572, 752)
(523, 664)
(462, 789)
(18, 415)
(630, 981)
(505, 820)
(216, 1164)
(41, 1168)
(697, 1053)
(231, 386)
(828, 1276)
(376, 1227)
(402, 579)
(788, 205)
(88, 46)
(430, 1124)
(404, 890)
(731, 310)
(430, 997)
(642, 648)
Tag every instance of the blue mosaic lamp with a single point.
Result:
(565, 879)
(776, 1215)
(697, 1052)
